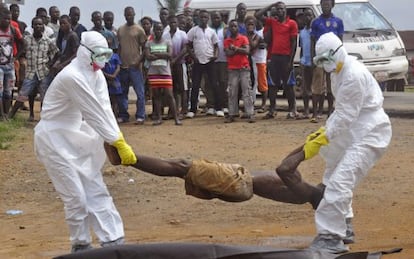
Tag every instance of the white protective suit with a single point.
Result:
(76, 118)
(358, 131)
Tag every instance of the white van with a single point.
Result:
(368, 34)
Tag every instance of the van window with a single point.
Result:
(360, 16)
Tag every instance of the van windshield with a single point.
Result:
(360, 17)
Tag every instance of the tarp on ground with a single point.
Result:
(208, 251)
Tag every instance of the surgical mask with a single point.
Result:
(99, 56)
(329, 66)
(97, 65)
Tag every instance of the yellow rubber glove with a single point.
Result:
(315, 134)
(125, 151)
(312, 147)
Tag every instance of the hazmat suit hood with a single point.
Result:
(330, 53)
(93, 51)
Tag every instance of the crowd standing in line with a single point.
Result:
(196, 64)
(170, 61)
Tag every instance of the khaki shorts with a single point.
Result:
(318, 81)
(207, 180)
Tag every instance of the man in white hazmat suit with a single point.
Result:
(76, 119)
(354, 138)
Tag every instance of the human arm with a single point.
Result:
(261, 13)
(94, 104)
(293, 43)
(254, 43)
(215, 53)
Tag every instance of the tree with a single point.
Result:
(171, 5)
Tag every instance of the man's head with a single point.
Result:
(329, 53)
(241, 11)
(15, 11)
(203, 16)
(129, 14)
(5, 17)
(164, 13)
(74, 14)
(216, 19)
(54, 13)
(108, 18)
(41, 12)
(280, 11)
(96, 18)
(38, 27)
(94, 49)
(327, 6)
(173, 22)
(64, 23)
(233, 27)
(308, 16)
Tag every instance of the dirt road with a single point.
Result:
(156, 209)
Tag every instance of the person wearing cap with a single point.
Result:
(353, 139)
(76, 119)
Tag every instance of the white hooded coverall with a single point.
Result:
(76, 118)
(358, 131)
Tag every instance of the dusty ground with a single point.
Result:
(156, 209)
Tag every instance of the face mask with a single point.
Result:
(97, 65)
(99, 56)
(326, 60)
(329, 66)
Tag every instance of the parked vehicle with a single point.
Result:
(369, 36)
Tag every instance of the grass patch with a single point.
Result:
(8, 131)
(409, 89)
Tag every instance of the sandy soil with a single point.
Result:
(156, 209)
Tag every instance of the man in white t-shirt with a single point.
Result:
(203, 46)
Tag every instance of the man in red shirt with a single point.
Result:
(237, 49)
(284, 38)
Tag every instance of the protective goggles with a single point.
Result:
(99, 54)
(325, 57)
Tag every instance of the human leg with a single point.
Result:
(27, 89)
(332, 218)
(172, 105)
(245, 84)
(103, 216)
(197, 71)
(262, 83)
(123, 104)
(306, 88)
(9, 78)
(157, 99)
(274, 88)
(233, 99)
(139, 88)
(318, 92)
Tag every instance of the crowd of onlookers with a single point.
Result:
(168, 61)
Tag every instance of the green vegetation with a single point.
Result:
(8, 131)
(172, 5)
(409, 89)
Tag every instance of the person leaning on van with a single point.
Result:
(283, 49)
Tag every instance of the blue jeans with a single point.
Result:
(134, 76)
(7, 77)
